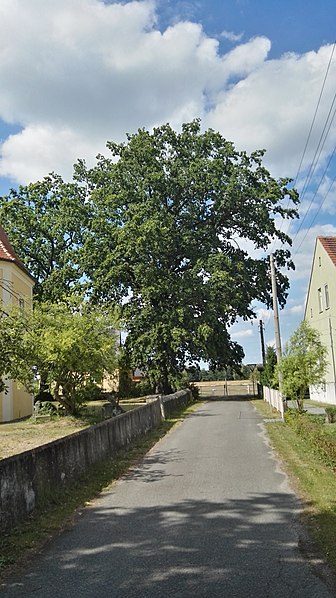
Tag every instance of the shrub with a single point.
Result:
(311, 428)
(331, 414)
(194, 391)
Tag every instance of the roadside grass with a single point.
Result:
(265, 409)
(28, 538)
(313, 481)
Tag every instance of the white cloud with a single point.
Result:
(295, 309)
(273, 108)
(241, 333)
(231, 36)
(75, 73)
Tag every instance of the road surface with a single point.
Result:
(207, 513)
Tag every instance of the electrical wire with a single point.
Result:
(321, 204)
(320, 146)
(315, 114)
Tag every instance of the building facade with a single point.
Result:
(320, 311)
(16, 288)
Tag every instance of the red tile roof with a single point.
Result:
(329, 244)
(8, 254)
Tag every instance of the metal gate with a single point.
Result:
(227, 389)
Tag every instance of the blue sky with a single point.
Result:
(75, 73)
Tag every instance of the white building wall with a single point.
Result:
(322, 316)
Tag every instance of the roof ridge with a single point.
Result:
(329, 245)
(8, 254)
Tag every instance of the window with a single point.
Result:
(311, 312)
(326, 296)
(319, 261)
(320, 300)
(21, 303)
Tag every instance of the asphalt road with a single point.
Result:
(207, 513)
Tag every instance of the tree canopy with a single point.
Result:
(171, 216)
(45, 223)
(267, 377)
(65, 346)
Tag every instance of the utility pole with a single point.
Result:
(262, 340)
(276, 320)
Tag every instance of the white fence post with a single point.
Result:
(274, 398)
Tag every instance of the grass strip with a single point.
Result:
(266, 409)
(313, 481)
(30, 536)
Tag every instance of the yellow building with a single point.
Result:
(16, 288)
(320, 312)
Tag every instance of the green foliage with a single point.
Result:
(67, 345)
(142, 389)
(267, 377)
(312, 429)
(15, 346)
(195, 391)
(45, 223)
(331, 413)
(303, 363)
(74, 346)
(166, 211)
(47, 408)
(89, 392)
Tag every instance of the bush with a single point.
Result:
(311, 428)
(194, 391)
(331, 414)
(89, 392)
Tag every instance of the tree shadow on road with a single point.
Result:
(190, 548)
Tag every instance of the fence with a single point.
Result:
(274, 398)
(227, 389)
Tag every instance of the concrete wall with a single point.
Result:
(173, 402)
(31, 478)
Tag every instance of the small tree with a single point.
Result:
(304, 363)
(66, 346)
(267, 376)
(15, 353)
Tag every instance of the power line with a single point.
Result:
(315, 113)
(319, 148)
(318, 211)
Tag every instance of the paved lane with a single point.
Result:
(207, 513)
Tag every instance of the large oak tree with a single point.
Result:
(170, 216)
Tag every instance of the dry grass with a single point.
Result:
(18, 437)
